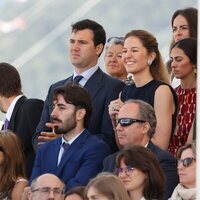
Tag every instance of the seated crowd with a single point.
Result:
(105, 136)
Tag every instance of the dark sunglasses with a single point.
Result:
(115, 38)
(186, 161)
(128, 121)
(1, 149)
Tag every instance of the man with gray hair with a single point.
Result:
(136, 125)
(46, 186)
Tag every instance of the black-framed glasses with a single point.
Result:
(1, 148)
(115, 38)
(128, 170)
(186, 161)
(47, 190)
(128, 121)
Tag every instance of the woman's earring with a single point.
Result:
(149, 62)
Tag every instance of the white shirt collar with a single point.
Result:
(12, 106)
(86, 74)
(71, 140)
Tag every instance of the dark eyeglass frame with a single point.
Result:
(128, 121)
(47, 190)
(115, 38)
(186, 161)
(1, 149)
(128, 170)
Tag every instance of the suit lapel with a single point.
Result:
(18, 105)
(95, 83)
(72, 150)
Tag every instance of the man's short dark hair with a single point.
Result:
(78, 96)
(98, 31)
(10, 82)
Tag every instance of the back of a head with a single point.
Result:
(157, 68)
(78, 96)
(144, 160)
(189, 47)
(109, 186)
(10, 82)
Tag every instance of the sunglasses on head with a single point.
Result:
(115, 38)
(186, 161)
(128, 121)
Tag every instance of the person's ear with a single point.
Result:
(99, 49)
(80, 114)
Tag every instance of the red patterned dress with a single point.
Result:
(185, 117)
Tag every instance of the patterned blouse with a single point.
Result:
(185, 118)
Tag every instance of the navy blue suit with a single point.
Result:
(102, 89)
(23, 122)
(167, 162)
(82, 160)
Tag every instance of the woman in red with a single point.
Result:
(184, 67)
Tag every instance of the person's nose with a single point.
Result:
(54, 113)
(75, 46)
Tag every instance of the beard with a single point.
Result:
(68, 125)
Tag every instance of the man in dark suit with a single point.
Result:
(77, 156)
(136, 124)
(86, 45)
(22, 114)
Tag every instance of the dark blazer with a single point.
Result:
(102, 89)
(82, 160)
(167, 162)
(23, 122)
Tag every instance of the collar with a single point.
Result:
(86, 74)
(71, 140)
(12, 106)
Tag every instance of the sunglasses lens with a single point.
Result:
(187, 162)
(125, 122)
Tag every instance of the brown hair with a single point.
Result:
(108, 185)
(78, 96)
(78, 190)
(13, 160)
(10, 82)
(144, 160)
(157, 68)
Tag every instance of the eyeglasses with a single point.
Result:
(186, 161)
(1, 149)
(115, 38)
(47, 190)
(128, 121)
(128, 170)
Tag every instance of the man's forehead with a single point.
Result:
(129, 108)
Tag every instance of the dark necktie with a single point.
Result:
(5, 125)
(77, 79)
(65, 146)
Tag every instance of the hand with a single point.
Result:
(25, 193)
(47, 136)
(113, 110)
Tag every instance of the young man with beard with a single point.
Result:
(77, 156)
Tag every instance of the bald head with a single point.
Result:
(43, 183)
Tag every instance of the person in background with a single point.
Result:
(46, 186)
(76, 193)
(113, 59)
(22, 114)
(86, 44)
(136, 125)
(143, 60)
(183, 57)
(106, 186)
(12, 171)
(76, 156)
(184, 24)
(186, 189)
(141, 174)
